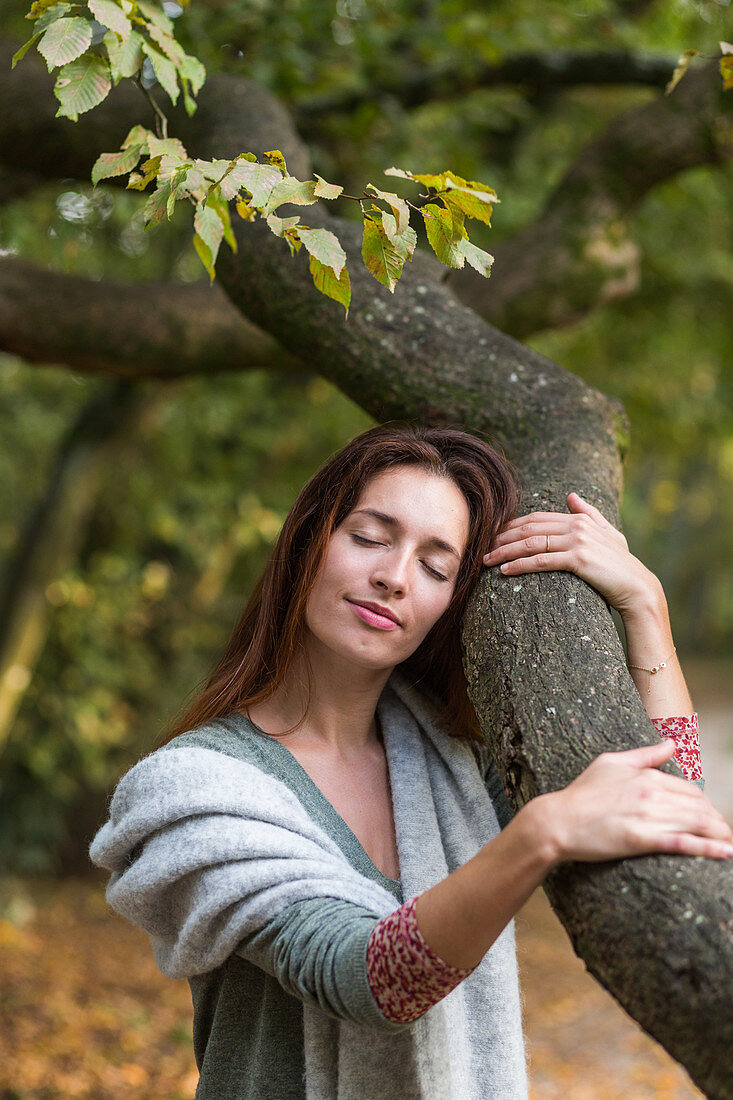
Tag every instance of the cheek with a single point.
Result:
(434, 606)
(332, 580)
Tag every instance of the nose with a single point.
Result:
(390, 574)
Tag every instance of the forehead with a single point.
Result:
(427, 505)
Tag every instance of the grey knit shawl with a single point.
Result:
(204, 849)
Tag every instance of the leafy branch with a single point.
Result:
(725, 64)
(96, 43)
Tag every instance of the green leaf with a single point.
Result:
(125, 58)
(326, 281)
(382, 259)
(139, 181)
(258, 179)
(64, 41)
(473, 203)
(165, 71)
(681, 68)
(154, 15)
(192, 69)
(155, 208)
(210, 231)
(404, 242)
(188, 101)
(479, 260)
(274, 156)
(168, 45)
(20, 54)
(215, 201)
(292, 239)
(473, 199)
(204, 254)
(81, 85)
(399, 206)
(51, 14)
(436, 182)
(445, 232)
(116, 164)
(278, 225)
(40, 7)
(322, 244)
(179, 180)
(110, 15)
(325, 190)
(290, 190)
(166, 147)
(726, 65)
(249, 214)
(138, 135)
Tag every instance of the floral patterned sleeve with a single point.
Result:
(684, 732)
(405, 975)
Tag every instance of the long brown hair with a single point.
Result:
(271, 627)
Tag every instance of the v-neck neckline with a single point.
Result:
(325, 802)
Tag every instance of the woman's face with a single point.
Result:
(399, 551)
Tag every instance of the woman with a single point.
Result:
(321, 845)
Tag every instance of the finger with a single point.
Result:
(559, 525)
(683, 844)
(648, 756)
(540, 563)
(525, 547)
(682, 817)
(533, 517)
(676, 785)
(580, 504)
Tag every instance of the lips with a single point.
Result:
(377, 608)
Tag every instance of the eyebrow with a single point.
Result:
(391, 521)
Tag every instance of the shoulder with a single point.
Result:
(233, 736)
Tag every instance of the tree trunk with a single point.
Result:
(53, 531)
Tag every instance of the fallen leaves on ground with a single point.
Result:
(87, 1014)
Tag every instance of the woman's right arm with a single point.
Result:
(620, 806)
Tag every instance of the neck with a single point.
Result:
(338, 714)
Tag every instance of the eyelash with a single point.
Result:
(370, 542)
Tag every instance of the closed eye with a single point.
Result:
(360, 540)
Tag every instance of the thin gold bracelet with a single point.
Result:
(654, 670)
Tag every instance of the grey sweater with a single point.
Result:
(248, 1014)
(253, 1011)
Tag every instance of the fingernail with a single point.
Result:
(504, 567)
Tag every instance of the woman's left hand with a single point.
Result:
(582, 542)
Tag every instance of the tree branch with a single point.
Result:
(553, 70)
(579, 253)
(143, 330)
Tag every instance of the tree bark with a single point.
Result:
(413, 86)
(142, 330)
(543, 659)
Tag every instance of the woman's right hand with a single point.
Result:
(621, 805)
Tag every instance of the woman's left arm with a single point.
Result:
(585, 543)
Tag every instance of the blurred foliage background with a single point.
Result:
(190, 509)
